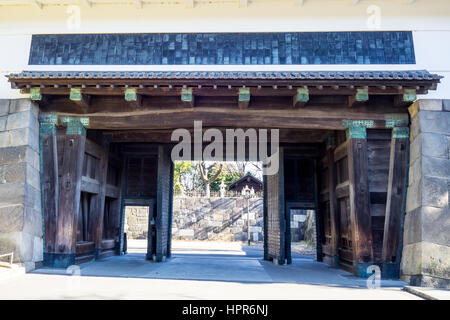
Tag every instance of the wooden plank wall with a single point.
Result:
(358, 178)
(77, 198)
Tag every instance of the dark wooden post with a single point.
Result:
(275, 216)
(334, 217)
(49, 182)
(69, 193)
(169, 237)
(359, 196)
(395, 207)
(162, 206)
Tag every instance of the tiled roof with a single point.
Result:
(280, 48)
(232, 75)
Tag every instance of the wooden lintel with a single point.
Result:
(244, 98)
(187, 97)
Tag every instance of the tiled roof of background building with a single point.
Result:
(286, 48)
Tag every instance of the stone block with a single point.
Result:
(435, 167)
(435, 225)
(434, 122)
(4, 106)
(430, 104)
(13, 155)
(11, 173)
(3, 123)
(435, 145)
(19, 120)
(415, 151)
(186, 232)
(434, 192)
(446, 105)
(415, 128)
(12, 193)
(19, 137)
(20, 105)
(436, 260)
(32, 197)
(12, 218)
(411, 263)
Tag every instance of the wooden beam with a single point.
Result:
(327, 118)
(395, 196)
(244, 98)
(301, 98)
(90, 185)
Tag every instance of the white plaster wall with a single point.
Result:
(429, 20)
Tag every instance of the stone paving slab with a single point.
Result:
(429, 293)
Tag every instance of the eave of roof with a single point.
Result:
(407, 75)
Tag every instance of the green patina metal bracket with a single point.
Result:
(357, 129)
(362, 95)
(186, 95)
(35, 94)
(393, 121)
(75, 94)
(409, 95)
(130, 94)
(302, 95)
(75, 125)
(400, 133)
(47, 123)
(244, 94)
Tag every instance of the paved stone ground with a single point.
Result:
(198, 270)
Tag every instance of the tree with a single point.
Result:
(206, 178)
(182, 176)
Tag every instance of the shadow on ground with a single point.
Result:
(223, 262)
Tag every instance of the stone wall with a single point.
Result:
(426, 243)
(222, 219)
(136, 222)
(20, 197)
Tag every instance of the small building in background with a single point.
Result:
(247, 180)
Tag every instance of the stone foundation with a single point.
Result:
(426, 242)
(21, 222)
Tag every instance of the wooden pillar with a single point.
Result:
(395, 204)
(162, 221)
(334, 217)
(275, 248)
(49, 182)
(169, 237)
(69, 193)
(360, 218)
